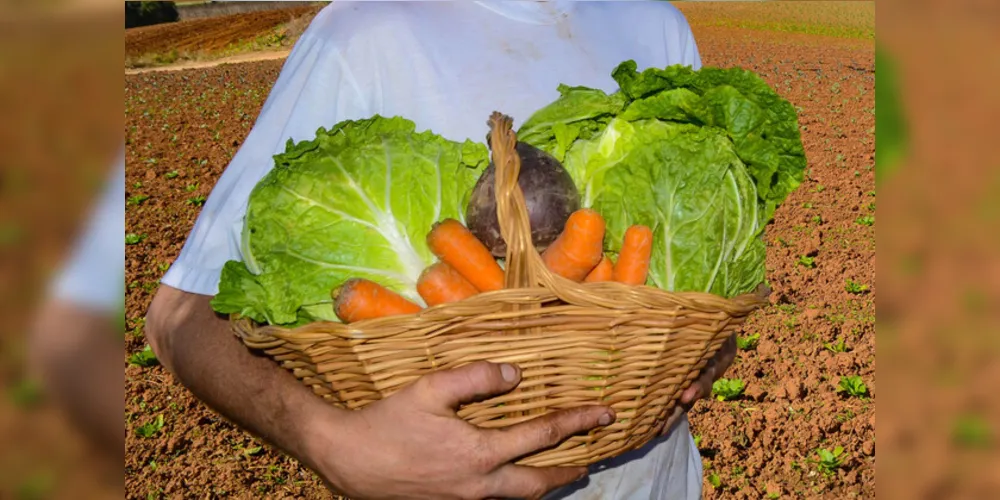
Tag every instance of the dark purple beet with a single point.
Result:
(549, 194)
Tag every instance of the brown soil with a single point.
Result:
(206, 34)
(765, 442)
(183, 127)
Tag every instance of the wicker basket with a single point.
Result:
(634, 348)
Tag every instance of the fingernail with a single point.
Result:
(605, 419)
(508, 372)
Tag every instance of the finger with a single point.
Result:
(702, 386)
(446, 390)
(515, 481)
(546, 431)
(674, 417)
(693, 393)
(727, 354)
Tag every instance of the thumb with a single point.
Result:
(444, 391)
(702, 386)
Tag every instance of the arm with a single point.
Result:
(75, 345)
(77, 354)
(199, 348)
(408, 445)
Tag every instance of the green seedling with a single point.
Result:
(132, 238)
(972, 431)
(137, 199)
(845, 415)
(830, 461)
(866, 220)
(838, 346)
(150, 429)
(748, 343)
(144, 358)
(854, 287)
(25, 394)
(807, 262)
(852, 386)
(715, 480)
(727, 390)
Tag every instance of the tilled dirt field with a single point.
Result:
(183, 127)
(207, 34)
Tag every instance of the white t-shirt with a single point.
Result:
(93, 276)
(446, 66)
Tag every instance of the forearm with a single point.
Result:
(77, 354)
(198, 347)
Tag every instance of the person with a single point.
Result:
(446, 66)
(77, 337)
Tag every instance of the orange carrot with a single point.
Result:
(580, 247)
(603, 271)
(633, 260)
(441, 283)
(359, 299)
(455, 245)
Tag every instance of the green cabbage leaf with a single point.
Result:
(357, 201)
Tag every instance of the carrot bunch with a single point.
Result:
(465, 267)
(578, 253)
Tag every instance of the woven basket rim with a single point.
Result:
(704, 302)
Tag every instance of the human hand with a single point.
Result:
(702, 387)
(413, 445)
(714, 369)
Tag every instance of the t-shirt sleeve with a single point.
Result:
(315, 88)
(94, 274)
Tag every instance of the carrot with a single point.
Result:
(633, 260)
(359, 299)
(441, 283)
(603, 271)
(455, 245)
(579, 248)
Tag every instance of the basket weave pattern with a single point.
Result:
(633, 348)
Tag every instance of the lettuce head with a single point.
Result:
(702, 157)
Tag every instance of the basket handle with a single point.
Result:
(524, 265)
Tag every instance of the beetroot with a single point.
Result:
(549, 194)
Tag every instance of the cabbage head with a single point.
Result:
(357, 201)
